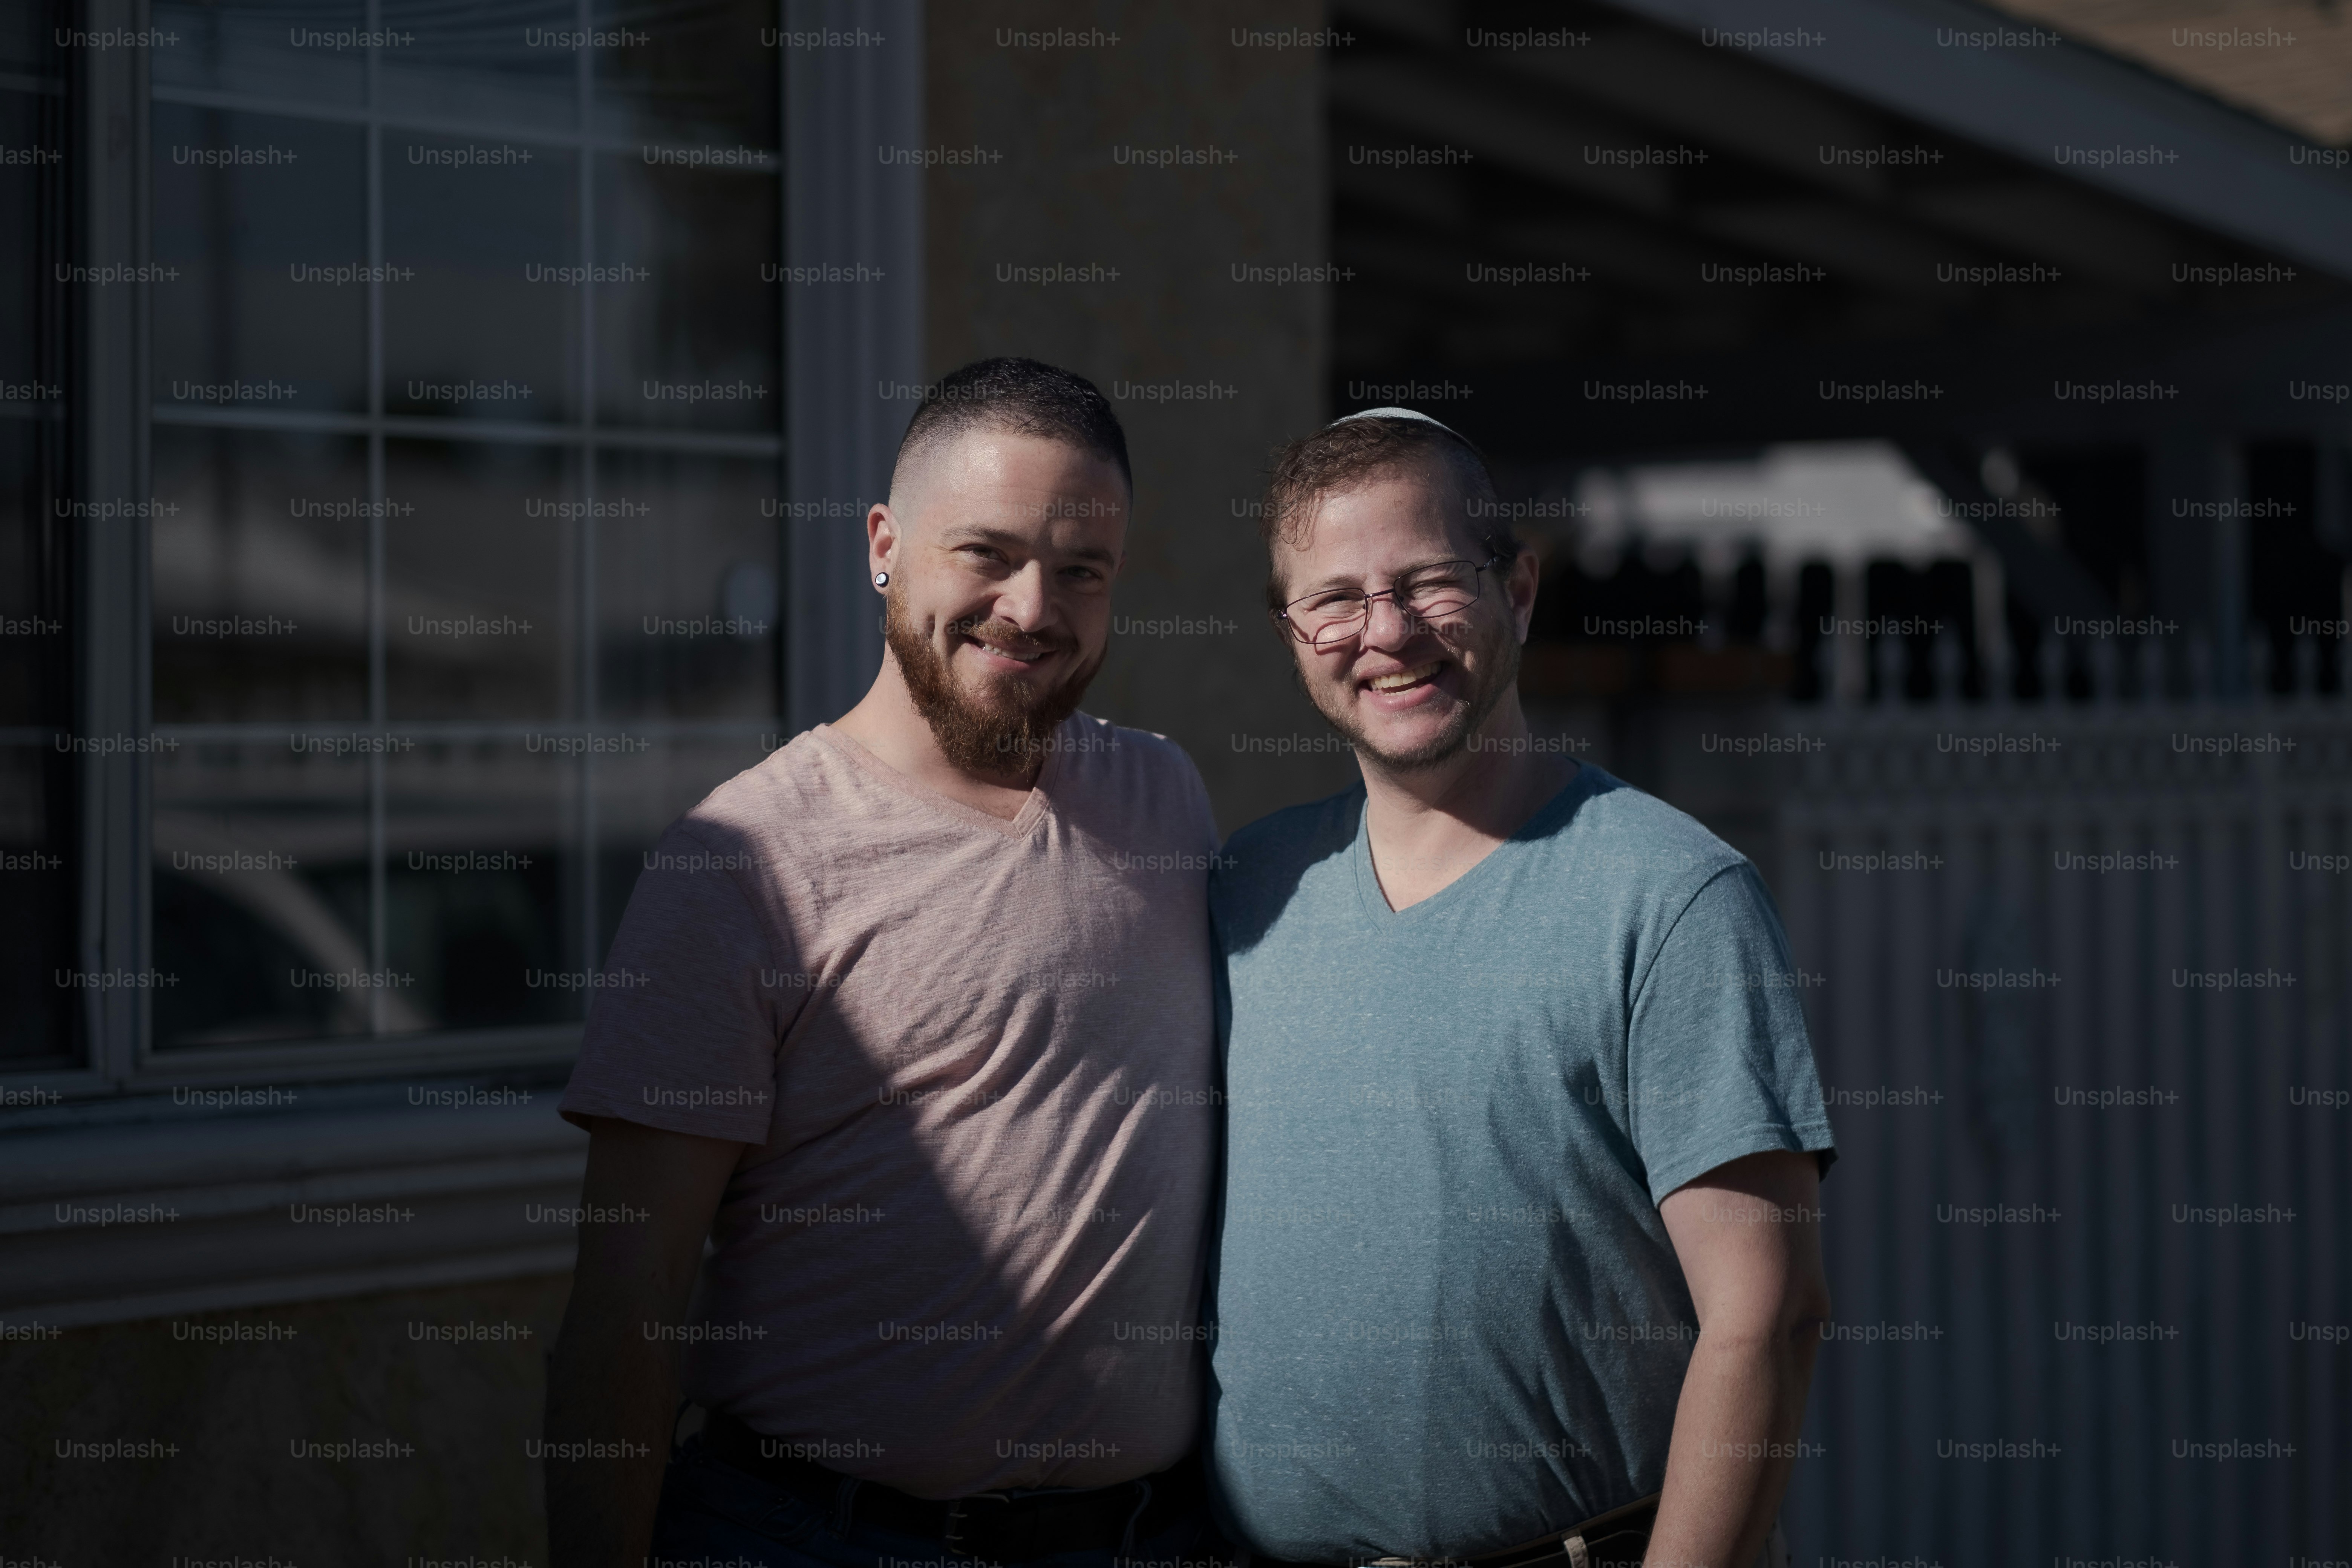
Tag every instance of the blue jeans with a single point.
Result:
(714, 1516)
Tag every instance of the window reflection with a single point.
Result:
(687, 572)
(705, 74)
(481, 885)
(481, 579)
(296, 49)
(499, 65)
(260, 890)
(261, 218)
(453, 615)
(479, 324)
(40, 859)
(688, 331)
(259, 576)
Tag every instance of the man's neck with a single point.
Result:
(886, 724)
(1430, 826)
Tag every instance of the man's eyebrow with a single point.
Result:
(1353, 582)
(983, 534)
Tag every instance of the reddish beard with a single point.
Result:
(1000, 730)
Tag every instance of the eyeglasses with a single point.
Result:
(1426, 594)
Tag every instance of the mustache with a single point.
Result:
(1004, 634)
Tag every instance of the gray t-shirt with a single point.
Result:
(1448, 1316)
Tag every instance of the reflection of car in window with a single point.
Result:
(270, 953)
(237, 948)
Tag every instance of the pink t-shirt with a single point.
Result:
(974, 1060)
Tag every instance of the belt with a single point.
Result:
(1614, 1540)
(995, 1527)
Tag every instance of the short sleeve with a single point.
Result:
(1718, 1063)
(684, 1023)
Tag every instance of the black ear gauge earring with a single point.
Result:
(881, 579)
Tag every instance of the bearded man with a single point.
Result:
(1520, 1259)
(912, 1023)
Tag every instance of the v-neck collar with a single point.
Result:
(1021, 824)
(1545, 818)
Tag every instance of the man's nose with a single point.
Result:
(1021, 599)
(1388, 624)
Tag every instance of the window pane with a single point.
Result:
(698, 341)
(39, 856)
(37, 869)
(35, 579)
(264, 218)
(704, 77)
(309, 49)
(685, 588)
(313, 584)
(31, 201)
(501, 63)
(259, 576)
(481, 330)
(480, 582)
(481, 885)
(261, 890)
(28, 39)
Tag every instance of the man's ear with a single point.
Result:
(884, 534)
(1526, 577)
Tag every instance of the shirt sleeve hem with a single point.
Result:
(668, 1119)
(1760, 1140)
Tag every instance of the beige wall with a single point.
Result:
(350, 1371)
(1172, 314)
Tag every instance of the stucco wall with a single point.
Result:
(1216, 372)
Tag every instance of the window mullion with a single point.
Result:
(591, 697)
(379, 710)
(109, 465)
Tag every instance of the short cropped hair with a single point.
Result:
(1022, 398)
(1354, 452)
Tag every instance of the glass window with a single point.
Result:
(40, 854)
(262, 217)
(464, 384)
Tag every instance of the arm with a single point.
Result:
(1749, 1236)
(607, 1382)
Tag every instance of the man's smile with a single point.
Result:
(1405, 679)
(1004, 655)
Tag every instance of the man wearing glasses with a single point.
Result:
(1518, 1259)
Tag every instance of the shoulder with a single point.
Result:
(1299, 829)
(1135, 760)
(1635, 864)
(767, 797)
(803, 767)
(1274, 852)
(1135, 752)
(1139, 763)
(1132, 783)
(1628, 838)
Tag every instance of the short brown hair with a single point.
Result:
(1354, 452)
(1023, 396)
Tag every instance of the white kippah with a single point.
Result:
(1394, 414)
